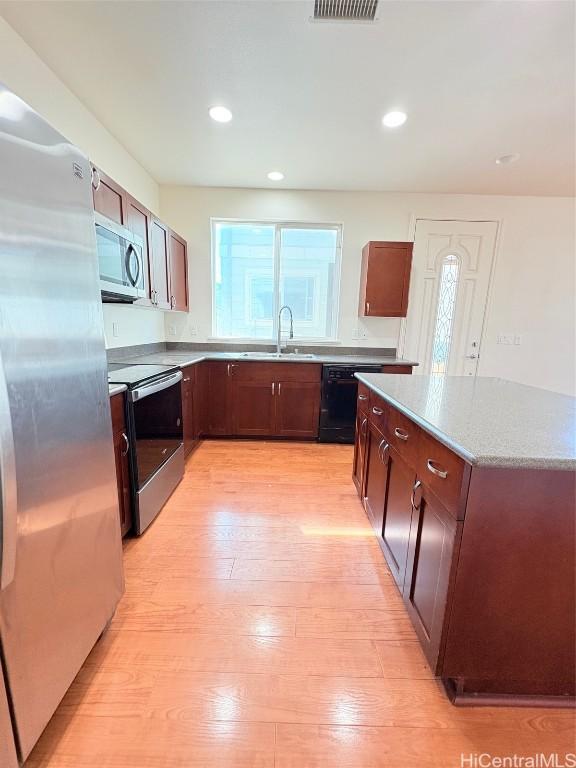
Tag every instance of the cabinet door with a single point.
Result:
(188, 410)
(138, 222)
(432, 546)
(377, 455)
(218, 398)
(385, 279)
(109, 198)
(121, 448)
(397, 515)
(253, 405)
(123, 481)
(159, 257)
(178, 273)
(360, 440)
(297, 409)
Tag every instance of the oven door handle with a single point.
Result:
(156, 386)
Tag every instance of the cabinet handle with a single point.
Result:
(435, 471)
(273, 386)
(362, 397)
(127, 443)
(187, 379)
(417, 485)
(96, 180)
(279, 387)
(377, 411)
(228, 369)
(382, 448)
(401, 435)
(367, 307)
(363, 427)
(172, 302)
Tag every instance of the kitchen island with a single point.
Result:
(470, 487)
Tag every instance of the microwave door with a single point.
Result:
(133, 263)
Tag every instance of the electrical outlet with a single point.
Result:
(171, 330)
(517, 340)
(505, 338)
(115, 331)
(193, 330)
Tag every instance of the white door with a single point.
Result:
(451, 268)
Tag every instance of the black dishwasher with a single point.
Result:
(338, 406)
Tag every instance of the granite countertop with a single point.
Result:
(183, 359)
(116, 389)
(487, 421)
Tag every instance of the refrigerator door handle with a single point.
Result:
(8, 497)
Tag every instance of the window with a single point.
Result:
(260, 266)
(445, 315)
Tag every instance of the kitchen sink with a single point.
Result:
(276, 356)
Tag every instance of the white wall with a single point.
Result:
(25, 73)
(533, 292)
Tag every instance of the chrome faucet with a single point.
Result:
(279, 340)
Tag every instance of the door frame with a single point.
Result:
(413, 221)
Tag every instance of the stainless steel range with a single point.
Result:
(155, 434)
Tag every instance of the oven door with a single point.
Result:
(157, 426)
(120, 260)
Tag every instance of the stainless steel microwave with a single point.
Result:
(120, 261)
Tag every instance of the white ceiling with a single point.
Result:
(477, 79)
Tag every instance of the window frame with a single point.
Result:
(279, 224)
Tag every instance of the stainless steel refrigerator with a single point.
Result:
(60, 548)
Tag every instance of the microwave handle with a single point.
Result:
(155, 386)
(8, 493)
(129, 251)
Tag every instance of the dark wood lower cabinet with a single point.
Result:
(376, 477)
(297, 409)
(253, 408)
(121, 448)
(397, 515)
(483, 556)
(433, 538)
(190, 408)
(359, 466)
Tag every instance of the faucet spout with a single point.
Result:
(279, 338)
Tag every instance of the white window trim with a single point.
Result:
(279, 224)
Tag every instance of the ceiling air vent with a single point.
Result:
(345, 10)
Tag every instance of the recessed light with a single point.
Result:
(275, 175)
(394, 119)
(220, 114)
(507, 159)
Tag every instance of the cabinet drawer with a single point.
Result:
(403, 435)
(378, 411)
(363, 398)
(443, 472)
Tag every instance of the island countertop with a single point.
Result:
(487, 421)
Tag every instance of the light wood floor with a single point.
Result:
(260, 627)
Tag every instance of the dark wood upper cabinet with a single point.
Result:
(109, 197)
(165, 252)
(385, 279)
(138, 221)
(178, 273)
(159, 264)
